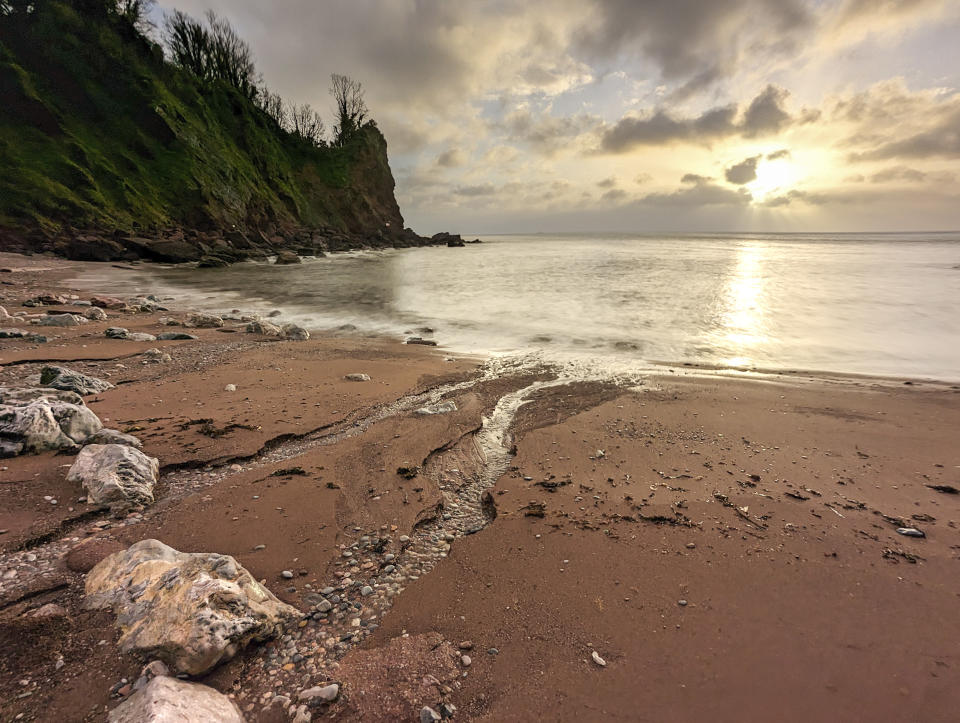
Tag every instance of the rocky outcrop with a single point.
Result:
(168, 700)
(71, 381)
(294, 332)
(38, 420)
(115, 436)
(115, 474)
(59, 320)
(191, 610)
(199, 320)
(258, 326)
(286, 257)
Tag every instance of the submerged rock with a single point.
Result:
(191, 610)
(168, 700)
(72, 381)
(112, 473)
(286, 257)
(37, 420)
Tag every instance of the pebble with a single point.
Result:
(493, 651)
(230, 388)
(327, 693)
(598, 660)
(466, 660)
(287, 574)
(366, 590)
(682, 603)
(259, 547)
(428, 715)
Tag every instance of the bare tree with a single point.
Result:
(272, 104)
(351, 107)
(188, 43)
(306, 123)
(137, 13)
(215, 52)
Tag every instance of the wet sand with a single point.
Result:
(727, 546)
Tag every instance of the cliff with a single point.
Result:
(107, 151)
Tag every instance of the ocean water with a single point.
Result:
(872, 304)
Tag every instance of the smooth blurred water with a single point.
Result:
(875, 304)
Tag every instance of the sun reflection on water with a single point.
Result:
(742, 316)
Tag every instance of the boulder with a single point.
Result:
(93, 248)
(191, 610)
(37, 420)
(168, 700)
(114, 436)
(259, 326)
(71, 381)
(95, 313)
(199, 320)
(174, 336)
(115, 473)
(108, 302)
(139, 336)
(294, 332)
(286, 257)
(116, 332)
(60, 320)
(212, 262)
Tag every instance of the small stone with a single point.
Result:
(325, 606)
(366, 590)
(287, 574)
(598, 660)
(230, 388)
(466, 660)
(691, 545)
(429, 715)
(466, 645)
(493, 651)
(327, 693)
(682, 603)
(357, 377)
(910, 532)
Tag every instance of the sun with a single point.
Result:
(773, 177)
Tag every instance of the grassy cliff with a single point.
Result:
(99, 133)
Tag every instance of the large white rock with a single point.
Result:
(115, 473)
(168, 700)
(259, 326)
(37, 420)
(191, 610)
(59, 320)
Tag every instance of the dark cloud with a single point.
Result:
(941, 140)
(614, 194)
(451, 158)
(642, 178)
(483, 189)
(911, 175)
(743, 172)
(699, 191)
(764, 115)
(776, 155)
(544, 132)
(607, 182)
(695, 178)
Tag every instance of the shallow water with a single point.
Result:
(874, 304)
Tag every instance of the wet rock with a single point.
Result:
(95, 313)
(199, 320)
(326, 693)
(212, 262)
(115, 473)
(442, 408)
(114, 436)
(295, 333)
(60, 320)
(193, 611)
(168, 699)
(357, 377)
(286, 257)
(72, 381)
(175, 336)
(258, 326)
(37, 420)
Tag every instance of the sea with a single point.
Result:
(875, 304)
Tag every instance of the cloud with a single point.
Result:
(543, 132)
(698, 191)
(911, 175)
(483, 189)
(607, 183)
(941, 140)
(614, 194)
(743, 172)
(766, 114)
(777, 155)
(451, 158)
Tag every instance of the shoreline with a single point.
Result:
(674, 525)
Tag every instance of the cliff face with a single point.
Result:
(108, 151)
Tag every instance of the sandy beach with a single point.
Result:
(693, 544)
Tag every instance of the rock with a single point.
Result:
(71, 381)
(286, 257)
(174, 336)
(153, 669)
(116, 332)
(193, 611)
(212, 262)
(37, 420)
(140, 336)
(287, 574)
(108, 302)
(598, 660)
(420, 341)
(168, 700)
(326, 693)
(466, 660)
(295, 333)
(156, 356)
(50, 610)
(325, 606)
(429, 715)
(198, 320)
(910, 532)
(442, 408)
(259, 326)
(466, 645)
(357, 377)
(4, 315)
(230, 388)
(366, 590)
(95, 313)
(115, 473)
(12, 333)
(114, 436)
(60, 320)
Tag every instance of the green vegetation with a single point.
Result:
(99, 131)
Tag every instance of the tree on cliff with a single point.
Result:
(351, 107)
(306, 123)
(214, 52)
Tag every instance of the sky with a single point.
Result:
(517, 116)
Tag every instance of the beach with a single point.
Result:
(684, 544)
